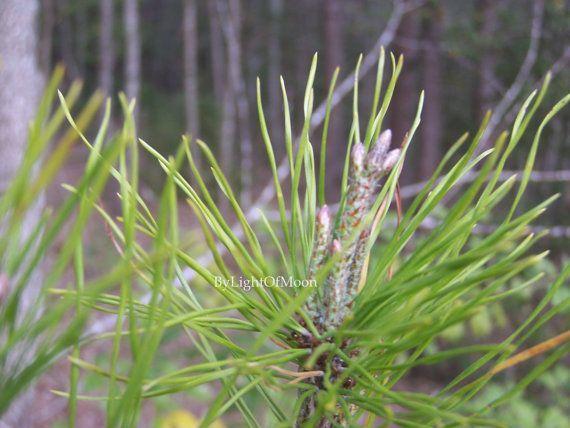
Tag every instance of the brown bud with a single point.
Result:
(349, 383)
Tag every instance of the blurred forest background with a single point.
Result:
(192, 65)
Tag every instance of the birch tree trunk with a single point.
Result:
(20, 81)
(20, 90)
(191, 67)
(106, 47)
(133, 52)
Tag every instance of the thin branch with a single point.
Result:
(468, 64)
(522, 75)
(297, 376)
(557, 231)
(411, 190)
(559, 65)
(539, 349)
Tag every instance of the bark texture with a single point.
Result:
(191, 67)
(106, 47)
(20, 81)
(20, 90)
(216, 51)
(132, 52)
(46, 40)
(230, 13)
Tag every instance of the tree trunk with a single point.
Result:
(20, 91)
(228, 128)
(432, 130)
(486, 16)
(306, 14)
(191, 67)
(66, 38)
(106, 47)
(216, 51)
(81, 38)
(133, 52)
(231, 19)
(274, 65)
(21, 85)
(334, 57)
(46, 40)
(406, 94)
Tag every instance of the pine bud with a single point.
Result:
(384, 141)
(376, 158)
(335, 247)
(391, 159)
(357, 157)
(318, 255)
(324, 218)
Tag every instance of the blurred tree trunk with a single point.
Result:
(406, 94)
(21, 81)
(106, 47)
(20, 89)
(81, 37)
(432, 130)
(274, 59)
(486, 17)
(216, 51)
(334, 57)
(46, 39)
(133, 52)
(191, 67)
(66, 36)
(228, 128)
(230, 13)
(305, 14)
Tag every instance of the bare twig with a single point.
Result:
(522, 75)
(411, 190)
(451, 53)
(539, 349)
(297, 376)
(559, 65)
(557, 231)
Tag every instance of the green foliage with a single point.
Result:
(416, 288)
